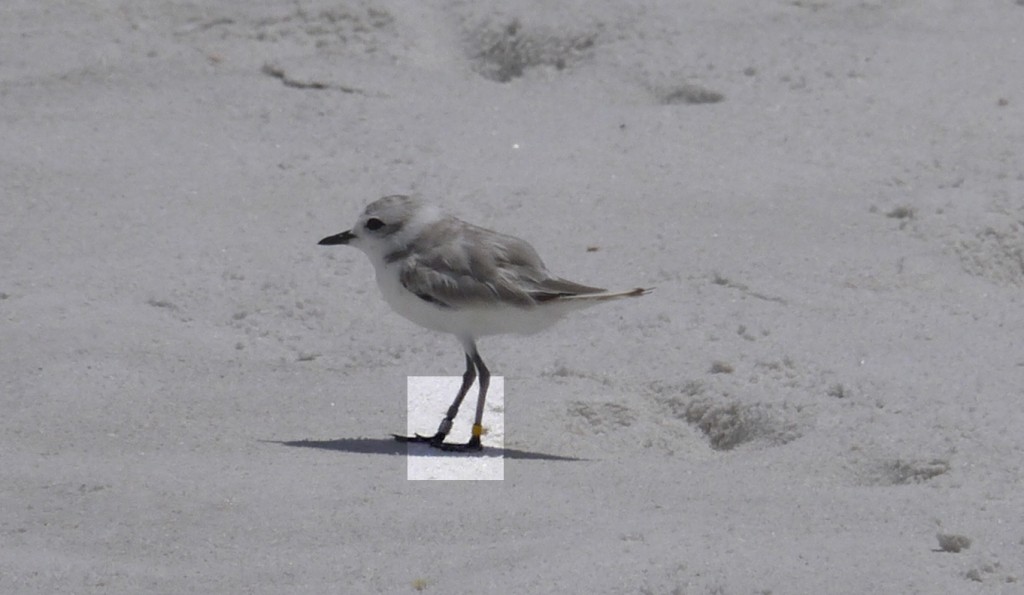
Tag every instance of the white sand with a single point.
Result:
(427, 402)
(198, 398)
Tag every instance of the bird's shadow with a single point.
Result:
(390, 446)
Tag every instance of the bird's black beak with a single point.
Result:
(342, 238)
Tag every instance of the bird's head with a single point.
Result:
(386, 226)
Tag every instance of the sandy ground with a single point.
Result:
(427, 401)
(828, 197)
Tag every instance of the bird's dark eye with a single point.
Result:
(374, 224)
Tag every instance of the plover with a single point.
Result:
(451, 276)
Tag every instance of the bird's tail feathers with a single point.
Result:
(607, 295)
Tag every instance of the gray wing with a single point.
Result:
(555, 287)
(467, 266)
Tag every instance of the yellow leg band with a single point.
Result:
(478, 430)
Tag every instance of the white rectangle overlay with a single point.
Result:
(428, 400)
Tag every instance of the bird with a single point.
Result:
(454, 277)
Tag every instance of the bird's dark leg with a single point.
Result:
(437, 440)
(446, 424)
(485, 381)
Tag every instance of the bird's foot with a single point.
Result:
(437, 441)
